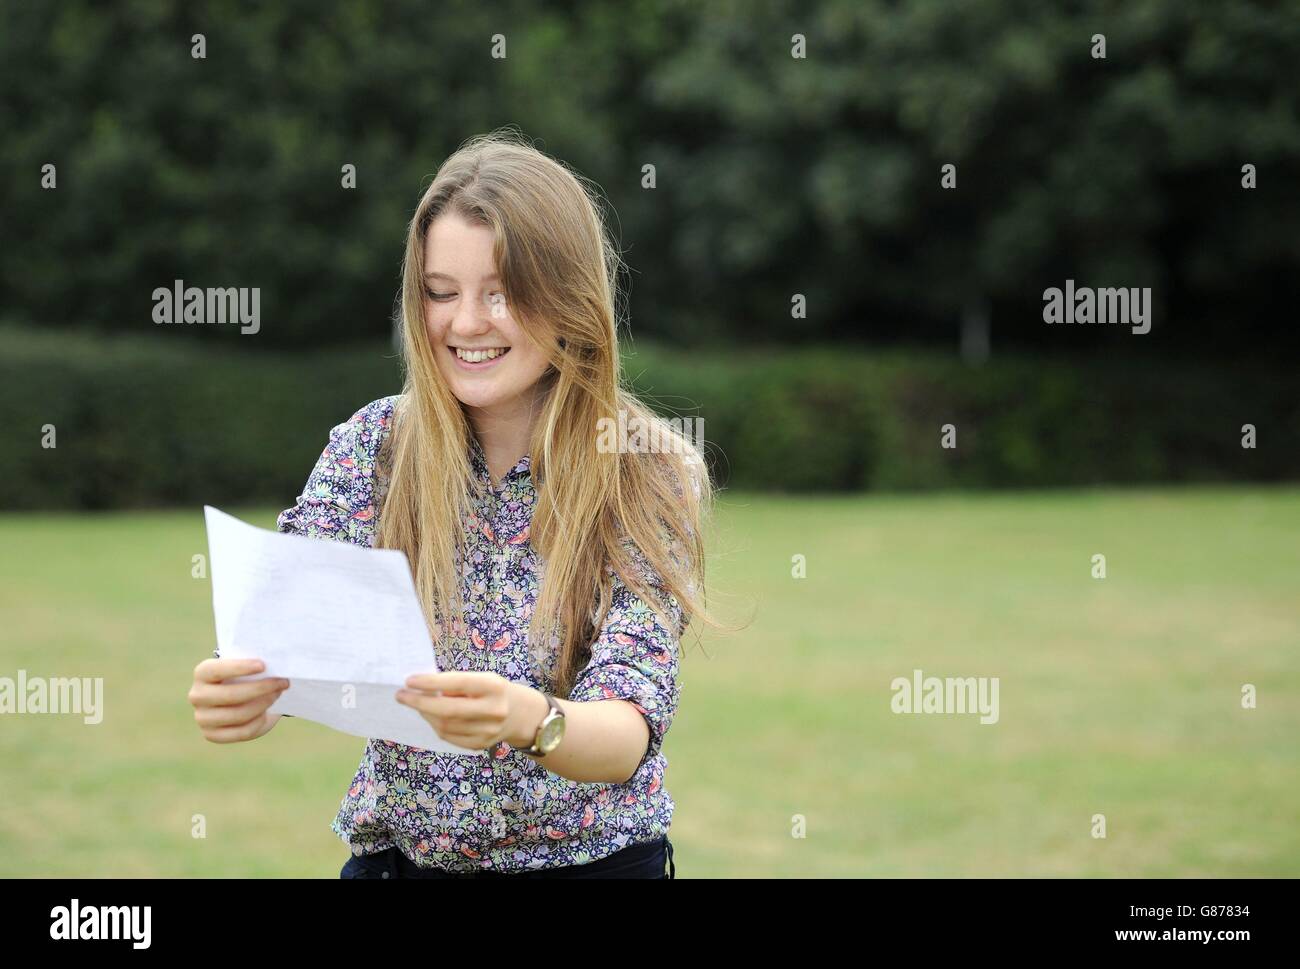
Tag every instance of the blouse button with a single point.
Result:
(384, 875)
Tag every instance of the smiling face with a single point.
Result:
(488, 363)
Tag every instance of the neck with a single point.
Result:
(505, 431)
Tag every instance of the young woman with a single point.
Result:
(557, 573)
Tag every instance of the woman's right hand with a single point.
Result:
(230, 712)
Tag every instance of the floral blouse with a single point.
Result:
(503, 811)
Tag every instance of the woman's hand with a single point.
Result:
(476, 710)
(230, 712)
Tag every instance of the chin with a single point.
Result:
(481, 397)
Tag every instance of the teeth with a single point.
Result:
(478, 356)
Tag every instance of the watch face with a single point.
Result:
(552, 734)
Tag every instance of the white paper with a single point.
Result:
(340, 622)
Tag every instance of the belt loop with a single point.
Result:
(392, 862)
(672, 868)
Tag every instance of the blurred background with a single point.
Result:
(802, 277)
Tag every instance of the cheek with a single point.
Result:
(533, 365)
(437, 329)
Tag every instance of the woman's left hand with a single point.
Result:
(475, 710)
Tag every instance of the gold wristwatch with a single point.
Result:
(549, 732)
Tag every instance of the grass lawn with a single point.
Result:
(1118, 696)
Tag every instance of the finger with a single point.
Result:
(230, 735)
(462, 734)
(225, 716)
(474, 741)
(419, 702)
(467, 709)
(233, 694)
(216, 670)
(457, 682)
(233, 716)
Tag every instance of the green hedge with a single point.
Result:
(143, 422)
(855, 419)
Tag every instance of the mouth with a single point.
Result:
(480, 359)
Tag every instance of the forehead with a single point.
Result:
(457, 250)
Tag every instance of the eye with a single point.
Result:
(438, 296)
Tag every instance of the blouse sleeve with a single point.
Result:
(635, 654)
(337, 501)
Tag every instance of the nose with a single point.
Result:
(473, 318)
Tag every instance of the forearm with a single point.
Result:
(604, 740)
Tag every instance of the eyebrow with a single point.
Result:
(453, 279)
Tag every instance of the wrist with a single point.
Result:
(529, 709)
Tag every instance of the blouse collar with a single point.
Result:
(478, 460)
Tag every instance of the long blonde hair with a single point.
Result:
(595, 510)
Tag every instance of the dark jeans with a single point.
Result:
(649, 859)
